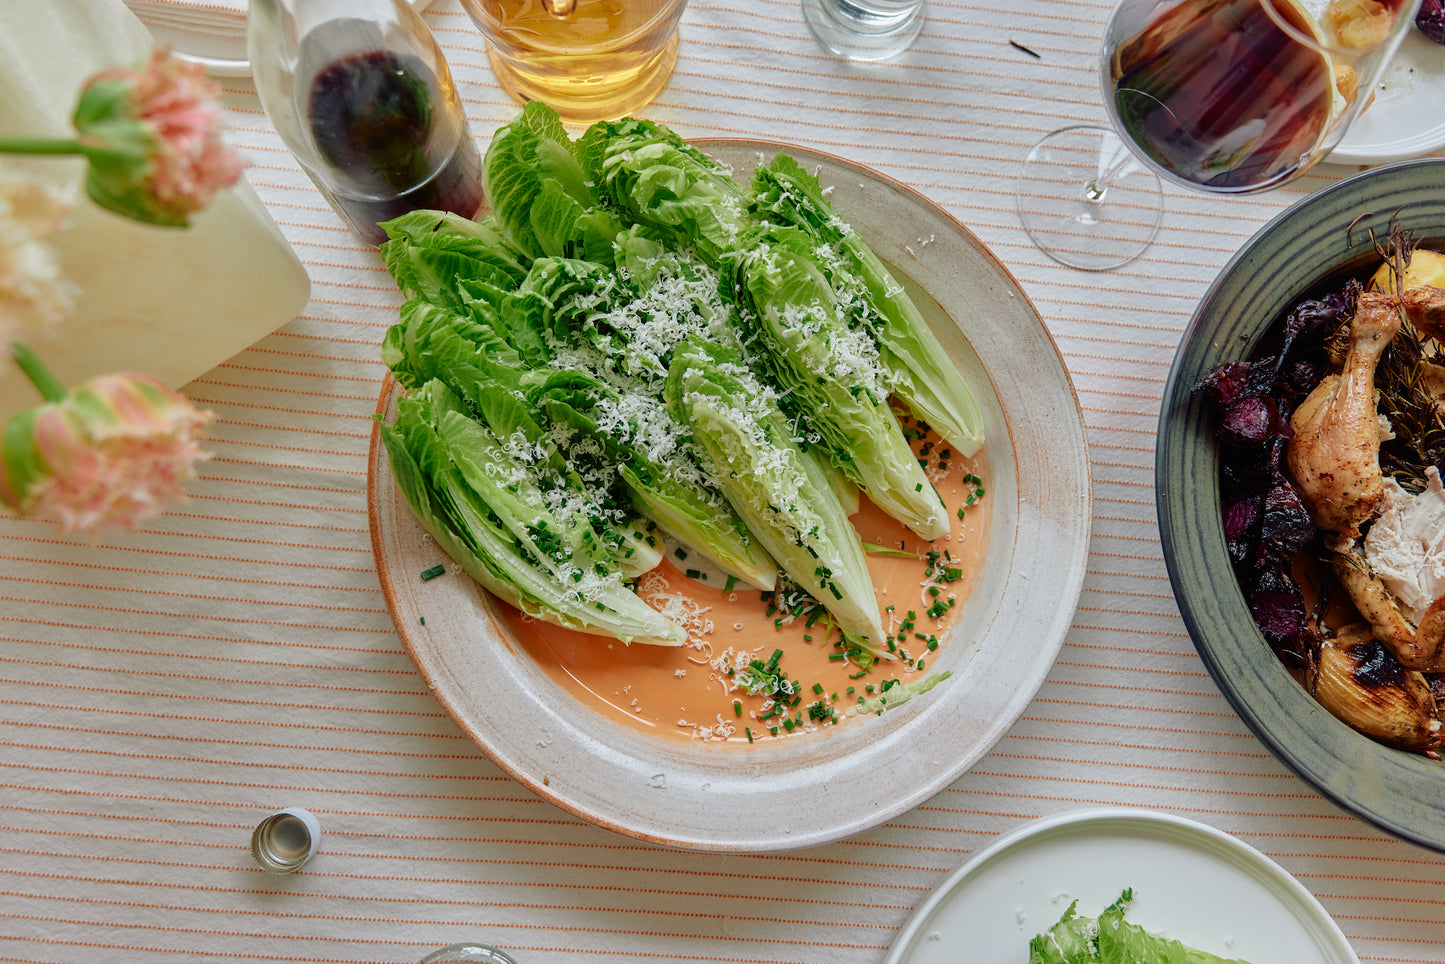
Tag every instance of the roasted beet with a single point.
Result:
(1266, 525)
(1431, 20)
(1241, 513)
(1299, 377)
(1249, 422)
(1277, 604)
(1226, 383)
(1285, 527)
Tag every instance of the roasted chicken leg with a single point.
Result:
(1334, 454)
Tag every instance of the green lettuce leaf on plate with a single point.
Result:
(1111, 939)
(776, 486)
(495, 504)
(920, 370)
(828, 366)
(655, 178)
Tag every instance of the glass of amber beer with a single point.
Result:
(590, 59)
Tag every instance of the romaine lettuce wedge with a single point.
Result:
(485, 508)
(777, 488)
(443, 258)
(1121, 942)
(830, 370)
(430, 342)
(647, 448)
(655, 178)
(921, 371)
(530, 171)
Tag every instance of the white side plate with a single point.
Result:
(1191, 883)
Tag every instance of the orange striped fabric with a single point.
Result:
(162, 690)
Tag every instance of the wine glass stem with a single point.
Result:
(1118, 166)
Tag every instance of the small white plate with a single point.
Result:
(221, 54)
(1405, 120)
(1191, 883)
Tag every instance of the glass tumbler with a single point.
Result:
(590, 60)
(865, 29)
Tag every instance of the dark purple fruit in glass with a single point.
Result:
(375, 122)
(1217, 93)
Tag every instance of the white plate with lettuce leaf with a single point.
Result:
(1121, 886)
(735, 794)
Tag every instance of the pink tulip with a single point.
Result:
(176, 104)
(152, 136)
(107, 455)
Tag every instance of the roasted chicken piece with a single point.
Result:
(1334, 453)
(1396, 575)
(1418, 646)
(1424, 305)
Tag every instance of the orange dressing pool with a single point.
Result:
(686, 693)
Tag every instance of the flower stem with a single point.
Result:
(51, 388)
(40, 145)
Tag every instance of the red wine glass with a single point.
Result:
(1222, 96)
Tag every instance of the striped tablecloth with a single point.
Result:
(162, 690)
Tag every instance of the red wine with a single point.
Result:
(1216, 93)
(375, 124)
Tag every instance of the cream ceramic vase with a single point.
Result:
(173, 302)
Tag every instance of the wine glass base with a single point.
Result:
(860, 34)
(1077, 215)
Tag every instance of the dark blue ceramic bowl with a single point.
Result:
(1315, 242)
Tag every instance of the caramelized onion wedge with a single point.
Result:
(1361, 683)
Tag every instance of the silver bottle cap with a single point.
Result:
(285, 840)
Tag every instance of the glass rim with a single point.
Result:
(1404, 20)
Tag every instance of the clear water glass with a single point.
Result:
(467, 954)
(865, 29)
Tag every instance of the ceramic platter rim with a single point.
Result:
(1021, 883)
(792, 793)
(1330, 229)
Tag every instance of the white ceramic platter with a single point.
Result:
(1191, 883)
(802, 790)
(1405, 120)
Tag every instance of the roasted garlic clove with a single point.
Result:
(1361, 683)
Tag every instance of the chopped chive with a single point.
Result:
(432, 573)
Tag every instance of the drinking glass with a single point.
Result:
(864, 29)
(361, 94)
(1222, 96)
(591, 60)
(467, 954)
